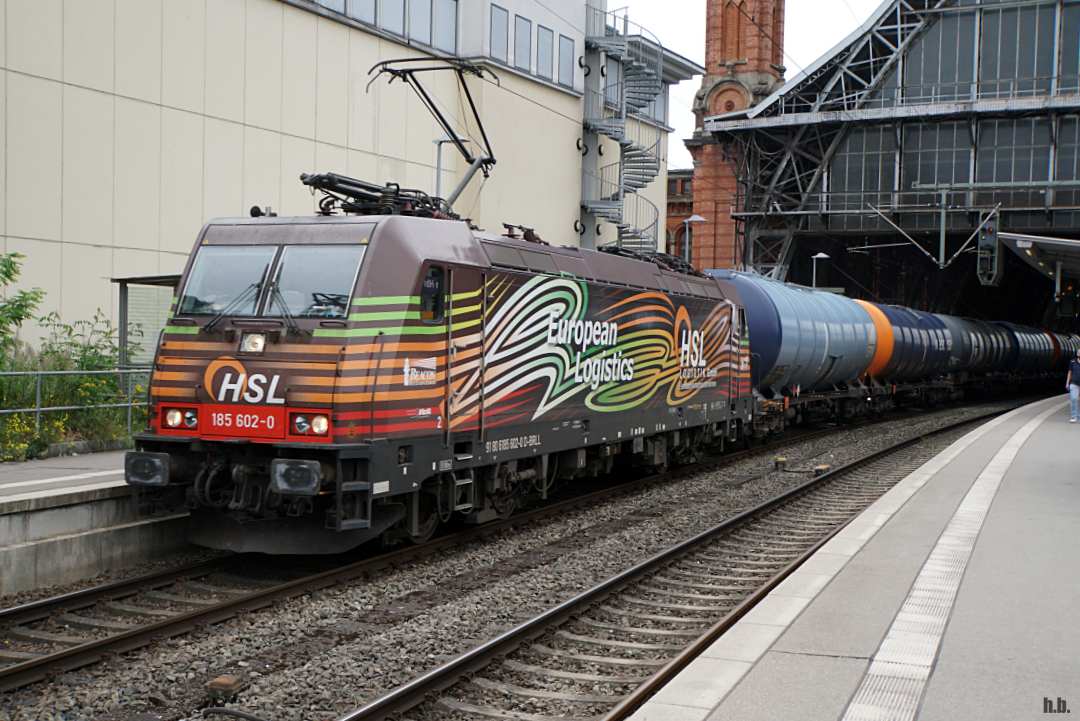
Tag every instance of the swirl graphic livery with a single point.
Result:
(544, 336)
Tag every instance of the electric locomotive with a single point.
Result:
(329, 380)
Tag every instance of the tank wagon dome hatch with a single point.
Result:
(801, 339)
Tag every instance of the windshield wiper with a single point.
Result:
(233, 304)
(278, 297)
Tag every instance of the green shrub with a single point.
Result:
(16, 307)
(80, 346)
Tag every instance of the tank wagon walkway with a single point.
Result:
(954, 596)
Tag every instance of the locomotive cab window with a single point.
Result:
(432, 295)
(315, 281)
(227, 278)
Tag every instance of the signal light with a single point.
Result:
(177, 417)
(317, 425)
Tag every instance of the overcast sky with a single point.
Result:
(813, 28)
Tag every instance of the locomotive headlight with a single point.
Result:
(173, 418)
(253, 343)
(320, 425)
(301, 424)
(191, 418)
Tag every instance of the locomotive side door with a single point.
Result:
(448, 373)
(464, 359)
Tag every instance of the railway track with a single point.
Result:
(50, 636)
(602, 653)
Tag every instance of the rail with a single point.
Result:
(126, 394)
(422, 688)
(31, 670)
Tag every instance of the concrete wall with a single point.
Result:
(68, 537)
(537, 181)
(126, 124)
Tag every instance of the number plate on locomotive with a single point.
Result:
(244, 421)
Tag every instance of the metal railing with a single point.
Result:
(602, 114)
(1036, 195)
(126, 397)
(906, 95)
(605, 187)
(642, 218)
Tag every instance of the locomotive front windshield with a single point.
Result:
(225, 275)
(315, 281)
(302, 281)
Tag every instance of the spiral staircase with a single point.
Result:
(612, 194)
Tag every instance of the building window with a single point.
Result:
(566, 61)
(522, 43)
(672, 186)
(446, 25)
(392, 16)
(500, 31)
(362, 10)
(612, 80)
(545, 53)
(420, 21)
(657, 108)
(431, 22)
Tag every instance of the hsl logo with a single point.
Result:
(692, 349)
(253, 388)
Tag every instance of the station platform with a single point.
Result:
(70, 518)
(955, 596)
(65, 479)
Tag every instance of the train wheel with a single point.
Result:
(504, 504)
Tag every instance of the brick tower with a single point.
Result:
(743, 65)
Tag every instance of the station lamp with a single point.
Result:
(816, 257)
(695, 218)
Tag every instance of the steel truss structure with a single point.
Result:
(919, 122)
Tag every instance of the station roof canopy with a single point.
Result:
(1044, 253)
(166, 281)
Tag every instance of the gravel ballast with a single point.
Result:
(318, 656)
